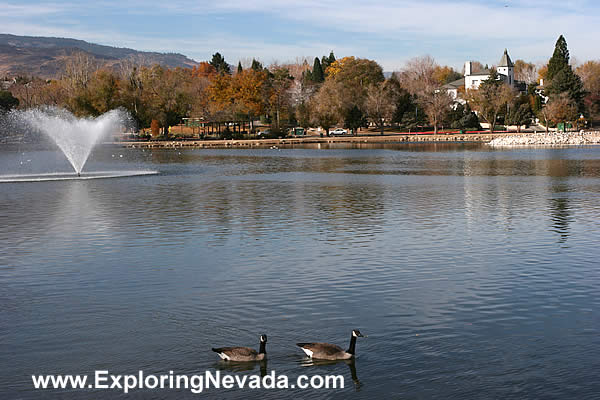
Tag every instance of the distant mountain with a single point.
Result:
(45, 56)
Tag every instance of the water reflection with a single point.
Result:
(325, 365)
(450, 256)
(560, 209)
(233, 366)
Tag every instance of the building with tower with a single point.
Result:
(472, 79)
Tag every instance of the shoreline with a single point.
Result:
(250, 143)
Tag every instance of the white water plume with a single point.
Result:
(74, 136)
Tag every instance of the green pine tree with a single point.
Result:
(326, 62)
(239, 69)
(354, 119)
(7, 101)
(221, 66)
(317, 73)
(561, 78)
(560, 58)
(256, 65)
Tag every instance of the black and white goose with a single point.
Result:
(327, 351)
(243, 353)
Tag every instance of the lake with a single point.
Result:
(475, 272)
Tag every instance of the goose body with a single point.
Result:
(243, 354)
(328, 351)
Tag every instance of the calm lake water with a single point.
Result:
(475, 272)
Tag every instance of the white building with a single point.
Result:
(472, 80)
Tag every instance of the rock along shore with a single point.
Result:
(548, 139)
(386, 139)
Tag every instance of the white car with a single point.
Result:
(338, 131)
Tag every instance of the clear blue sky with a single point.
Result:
(389, 32)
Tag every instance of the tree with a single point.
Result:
(165, 94)
(279, 99)
(104, 92)
(303, 115)
(7, 101)
(559, 60)
(526, 72)
(406, 113)
(436, 104)
(317, 74)
(490, 99)
(590, 75)
(219, 63)
(380, 104)
(445, 74)
(203, 70)
(250, 93)
(325, 105)
(239, 68)
(562, 109)
(418, 77)
(519, 112)
(354, 119)
(256, 65)
(352, 72)
(461, 117)
(353, 76)
(561, 78)
(155, 128)
(221, 95)
(326, 61)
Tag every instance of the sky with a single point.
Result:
(390, 32)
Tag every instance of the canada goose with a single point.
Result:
(243, 353)
(326, 351)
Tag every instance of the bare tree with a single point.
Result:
(418, 77)
(380, 104)
(436, 103)
(526, 72)
(326, 106)
(79, 68)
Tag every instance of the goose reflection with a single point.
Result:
(351, 363)
(242, 366)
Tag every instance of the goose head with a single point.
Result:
(356, 333)
(263, 338)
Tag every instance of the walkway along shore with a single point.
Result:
(386, 139)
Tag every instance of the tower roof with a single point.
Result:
(505, 61)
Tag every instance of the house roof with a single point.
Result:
(505, 61)
(482, 73)
(456, 84)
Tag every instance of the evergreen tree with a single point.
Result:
(326, 62)
(520, 112)
(220, 65)
(307, 76)
(256, 65)
(331, 58)
(7, 101)
(561, 77)
(354, 119)
(317, 73)
(559, 60)
(239, 68)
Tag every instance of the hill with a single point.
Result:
(45, 56)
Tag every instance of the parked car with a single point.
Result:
(338, 131)
(263, 134)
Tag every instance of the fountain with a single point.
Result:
(75, 137)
